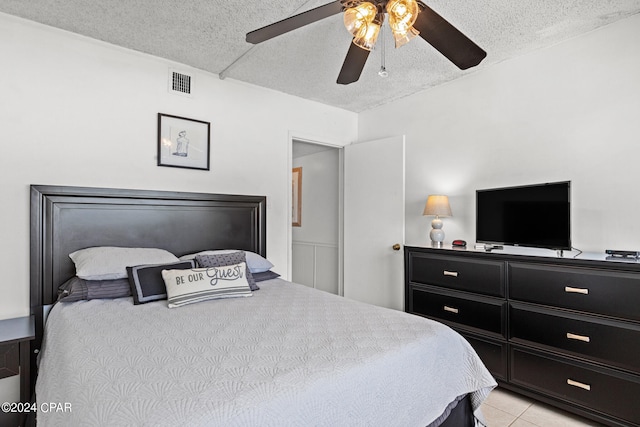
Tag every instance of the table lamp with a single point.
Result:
(437, 205)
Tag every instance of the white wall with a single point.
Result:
(80, 112)
(568, 112)
(315, 242)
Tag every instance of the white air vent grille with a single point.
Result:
(180, 83)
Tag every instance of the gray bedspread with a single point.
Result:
(286, 356)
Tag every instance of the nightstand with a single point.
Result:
(15, 343)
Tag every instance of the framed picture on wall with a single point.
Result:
(182, 142)
(296, 205)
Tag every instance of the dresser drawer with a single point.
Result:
(472, 275)
(477, 312)
(613, 343)
(492, 353)
(608, 292)
(589, 387)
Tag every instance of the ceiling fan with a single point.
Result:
(363, 18)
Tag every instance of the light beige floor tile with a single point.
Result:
(507, 401)
(497, 418)
(547, 416)
(521, 423)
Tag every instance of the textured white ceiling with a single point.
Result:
(210, 35)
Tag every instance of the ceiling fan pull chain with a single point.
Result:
(383, 69)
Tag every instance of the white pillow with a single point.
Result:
(256, 263)
(110, 262)
(202, 284)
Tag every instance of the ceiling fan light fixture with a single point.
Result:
(404, 38)
(357, 19)
(402, 13)
(402, 16)
(368, 39)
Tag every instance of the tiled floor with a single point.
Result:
(506, 409)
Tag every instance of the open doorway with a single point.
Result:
(316, 237)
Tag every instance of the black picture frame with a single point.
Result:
(183, 142)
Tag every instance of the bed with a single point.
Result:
(285, 355)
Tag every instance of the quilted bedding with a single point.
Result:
(286, 356)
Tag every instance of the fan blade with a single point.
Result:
(353, 64)
(294, 22)
(447, 39)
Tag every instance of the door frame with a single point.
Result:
(296, 136)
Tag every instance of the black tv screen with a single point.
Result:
(532, 215)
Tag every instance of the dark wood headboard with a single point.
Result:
(65, 219)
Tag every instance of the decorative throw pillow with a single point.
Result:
(202, 284)
(146, 281)
(255, 262)
(109, 262)
(227, 258)
(77, 289)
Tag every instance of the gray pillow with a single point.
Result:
(265, 275)
(77, 289)
(255, 262)
(224, 259)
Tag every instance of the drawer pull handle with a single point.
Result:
(576, 290)
(451, 273)
(579, 384)
(577, 337)
(450, 309)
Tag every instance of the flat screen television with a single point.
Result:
(532, 215)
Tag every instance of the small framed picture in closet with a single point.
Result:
(296, 199)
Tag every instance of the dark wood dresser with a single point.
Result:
(561, 330)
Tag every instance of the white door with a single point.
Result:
(374, 222)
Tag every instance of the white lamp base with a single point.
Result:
(436, 234)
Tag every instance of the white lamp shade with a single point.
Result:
(437, 205)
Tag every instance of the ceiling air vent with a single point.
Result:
(180, 83)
